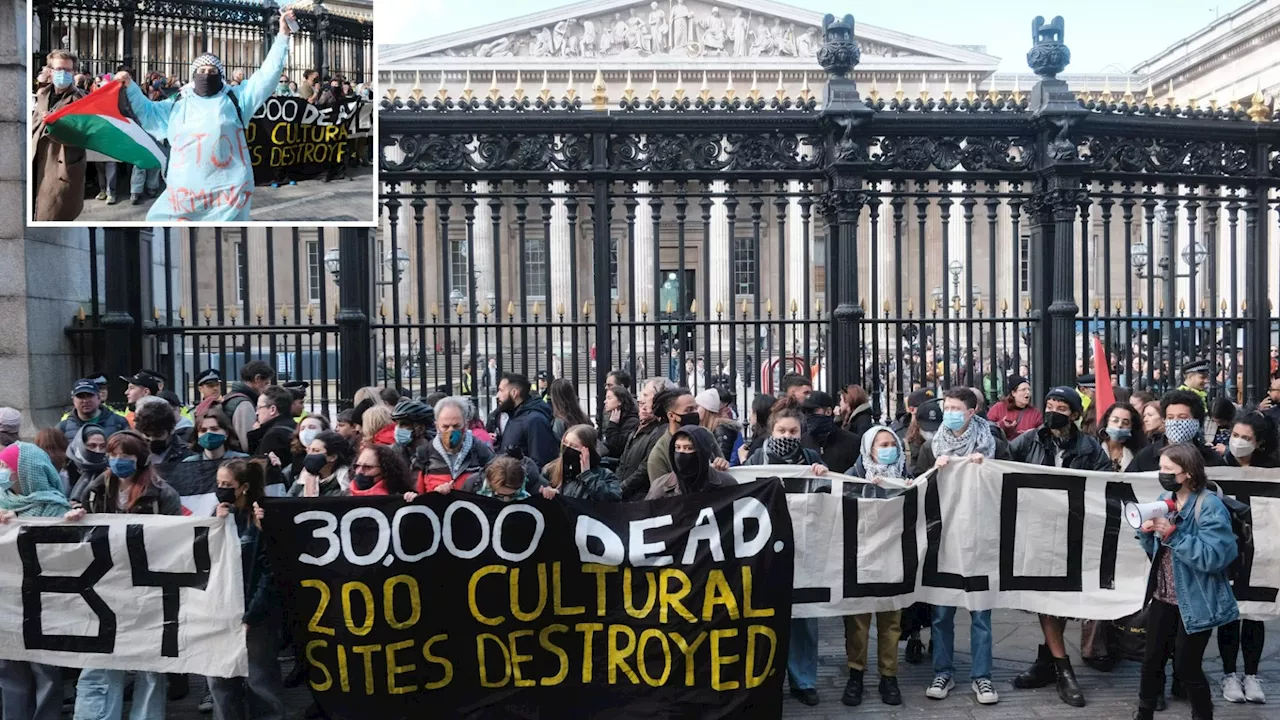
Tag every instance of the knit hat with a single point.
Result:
(10, 420)
(208, 59)
(709, 400)
(9, 456)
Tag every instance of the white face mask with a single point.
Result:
(1241, 447)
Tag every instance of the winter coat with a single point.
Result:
(110, 422)
(1082, 452)
(727, 434)
(333, 486)
(617, 434)
(241, 405)
(633, 467)
(1014, 422)
(274, 437)
(57, 170)
(839, 451)
(1148, 458)
(177, 450)
(530, 430)
(210, 172)
(598, 484)
(437, 470)
(924, 459)
(859, 422)
(261, 599)
(1203, 546)
(158, 499)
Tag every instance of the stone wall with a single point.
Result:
(44, 273)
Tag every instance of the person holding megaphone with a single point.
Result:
(1188, 592)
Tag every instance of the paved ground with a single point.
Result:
(349, 200)
(1111, 696)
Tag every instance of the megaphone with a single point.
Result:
(1138, 513)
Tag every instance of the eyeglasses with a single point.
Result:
(505, 497)
(361, 466)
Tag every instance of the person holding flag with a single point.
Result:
(57, 169)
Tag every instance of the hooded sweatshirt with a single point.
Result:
(702, 478)
(210, 172)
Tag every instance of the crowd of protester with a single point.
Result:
(655, 440)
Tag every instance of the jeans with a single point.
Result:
(857, 632)
(140, 179)
(1165, 632)
(943, 634)
(30, 691)
(802, 657)
(107, 177)
(1249, 634)
(259, 696)
(100, 695)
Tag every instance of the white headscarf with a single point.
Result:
(871, 464)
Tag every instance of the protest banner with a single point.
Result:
(544, 608)
(998, 535)
(292, 139)
(123, 592)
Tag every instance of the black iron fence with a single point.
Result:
(726, 239)
(164, 36)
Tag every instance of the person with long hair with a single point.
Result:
(241, 486)
(308, 428)
(565, 410)
(1153, 422)
(381, 470)
(621, 420)
(129, 485)
(54, 442)
(1188, 592)
(1015, 414)
(215, 437)
(31, 487)
(327, 467)
(783, 447)
(761, 408)
(577, 472)
(1121, 435)
(1252, 444)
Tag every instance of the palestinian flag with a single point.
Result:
(103, 121)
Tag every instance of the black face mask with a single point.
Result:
(158, 446)
(95, 460)
(364, 482)
(687, 465)
(225, 495)
(820, 426)
(1056, 420)
(207, 85)
(314, 463)
(690, 418)
(1169, 482)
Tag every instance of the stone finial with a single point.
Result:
(600, 95)
(1048, 55)
(839, 53)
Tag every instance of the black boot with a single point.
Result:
(853, 689)
(1143, 714)
(1068, 689)
(889, 692)
(1040, 674)
(915, 649)
(1161, 703)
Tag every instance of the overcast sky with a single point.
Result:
(1104, 35)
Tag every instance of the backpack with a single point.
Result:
(231, 401)
(1241, 525)
(235, 102)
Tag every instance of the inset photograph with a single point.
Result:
(201, 111)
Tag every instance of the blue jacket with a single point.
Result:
(1202, 549)
(210, 172)
(530, 430)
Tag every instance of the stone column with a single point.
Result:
(721, 254)
(562, 262)
(643, 253)
(168, 51)
(482, 250)
(796, 267)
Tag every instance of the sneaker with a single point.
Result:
(1253, 690)
(1232, 690)
(206, 703)
(808, 696)
(985, 691)
(135, 199)
(111, 199)
(102, 195)
(940, 687)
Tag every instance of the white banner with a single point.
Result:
(124, 592)
(998, 535)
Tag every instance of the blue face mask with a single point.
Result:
(6, 479)
(62, 78)
(1119, 434)
(212, 440)
(404, 436)
(887, 455)
(123, 467)
(455, 438)
(953, 419)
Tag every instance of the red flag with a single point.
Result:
(1104, 396)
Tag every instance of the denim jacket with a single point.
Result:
(1202, 549)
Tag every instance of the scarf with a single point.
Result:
(456, 462)
(787, 451)
(42, 496)
(484, 490)
(871, 464)
(976, 438)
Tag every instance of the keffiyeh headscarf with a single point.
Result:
(208, 59)
(976, 438)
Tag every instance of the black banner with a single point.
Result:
(291, 139)
(462, 606)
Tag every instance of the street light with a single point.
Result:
(333, 261)
(956, 268)
(397, 261)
